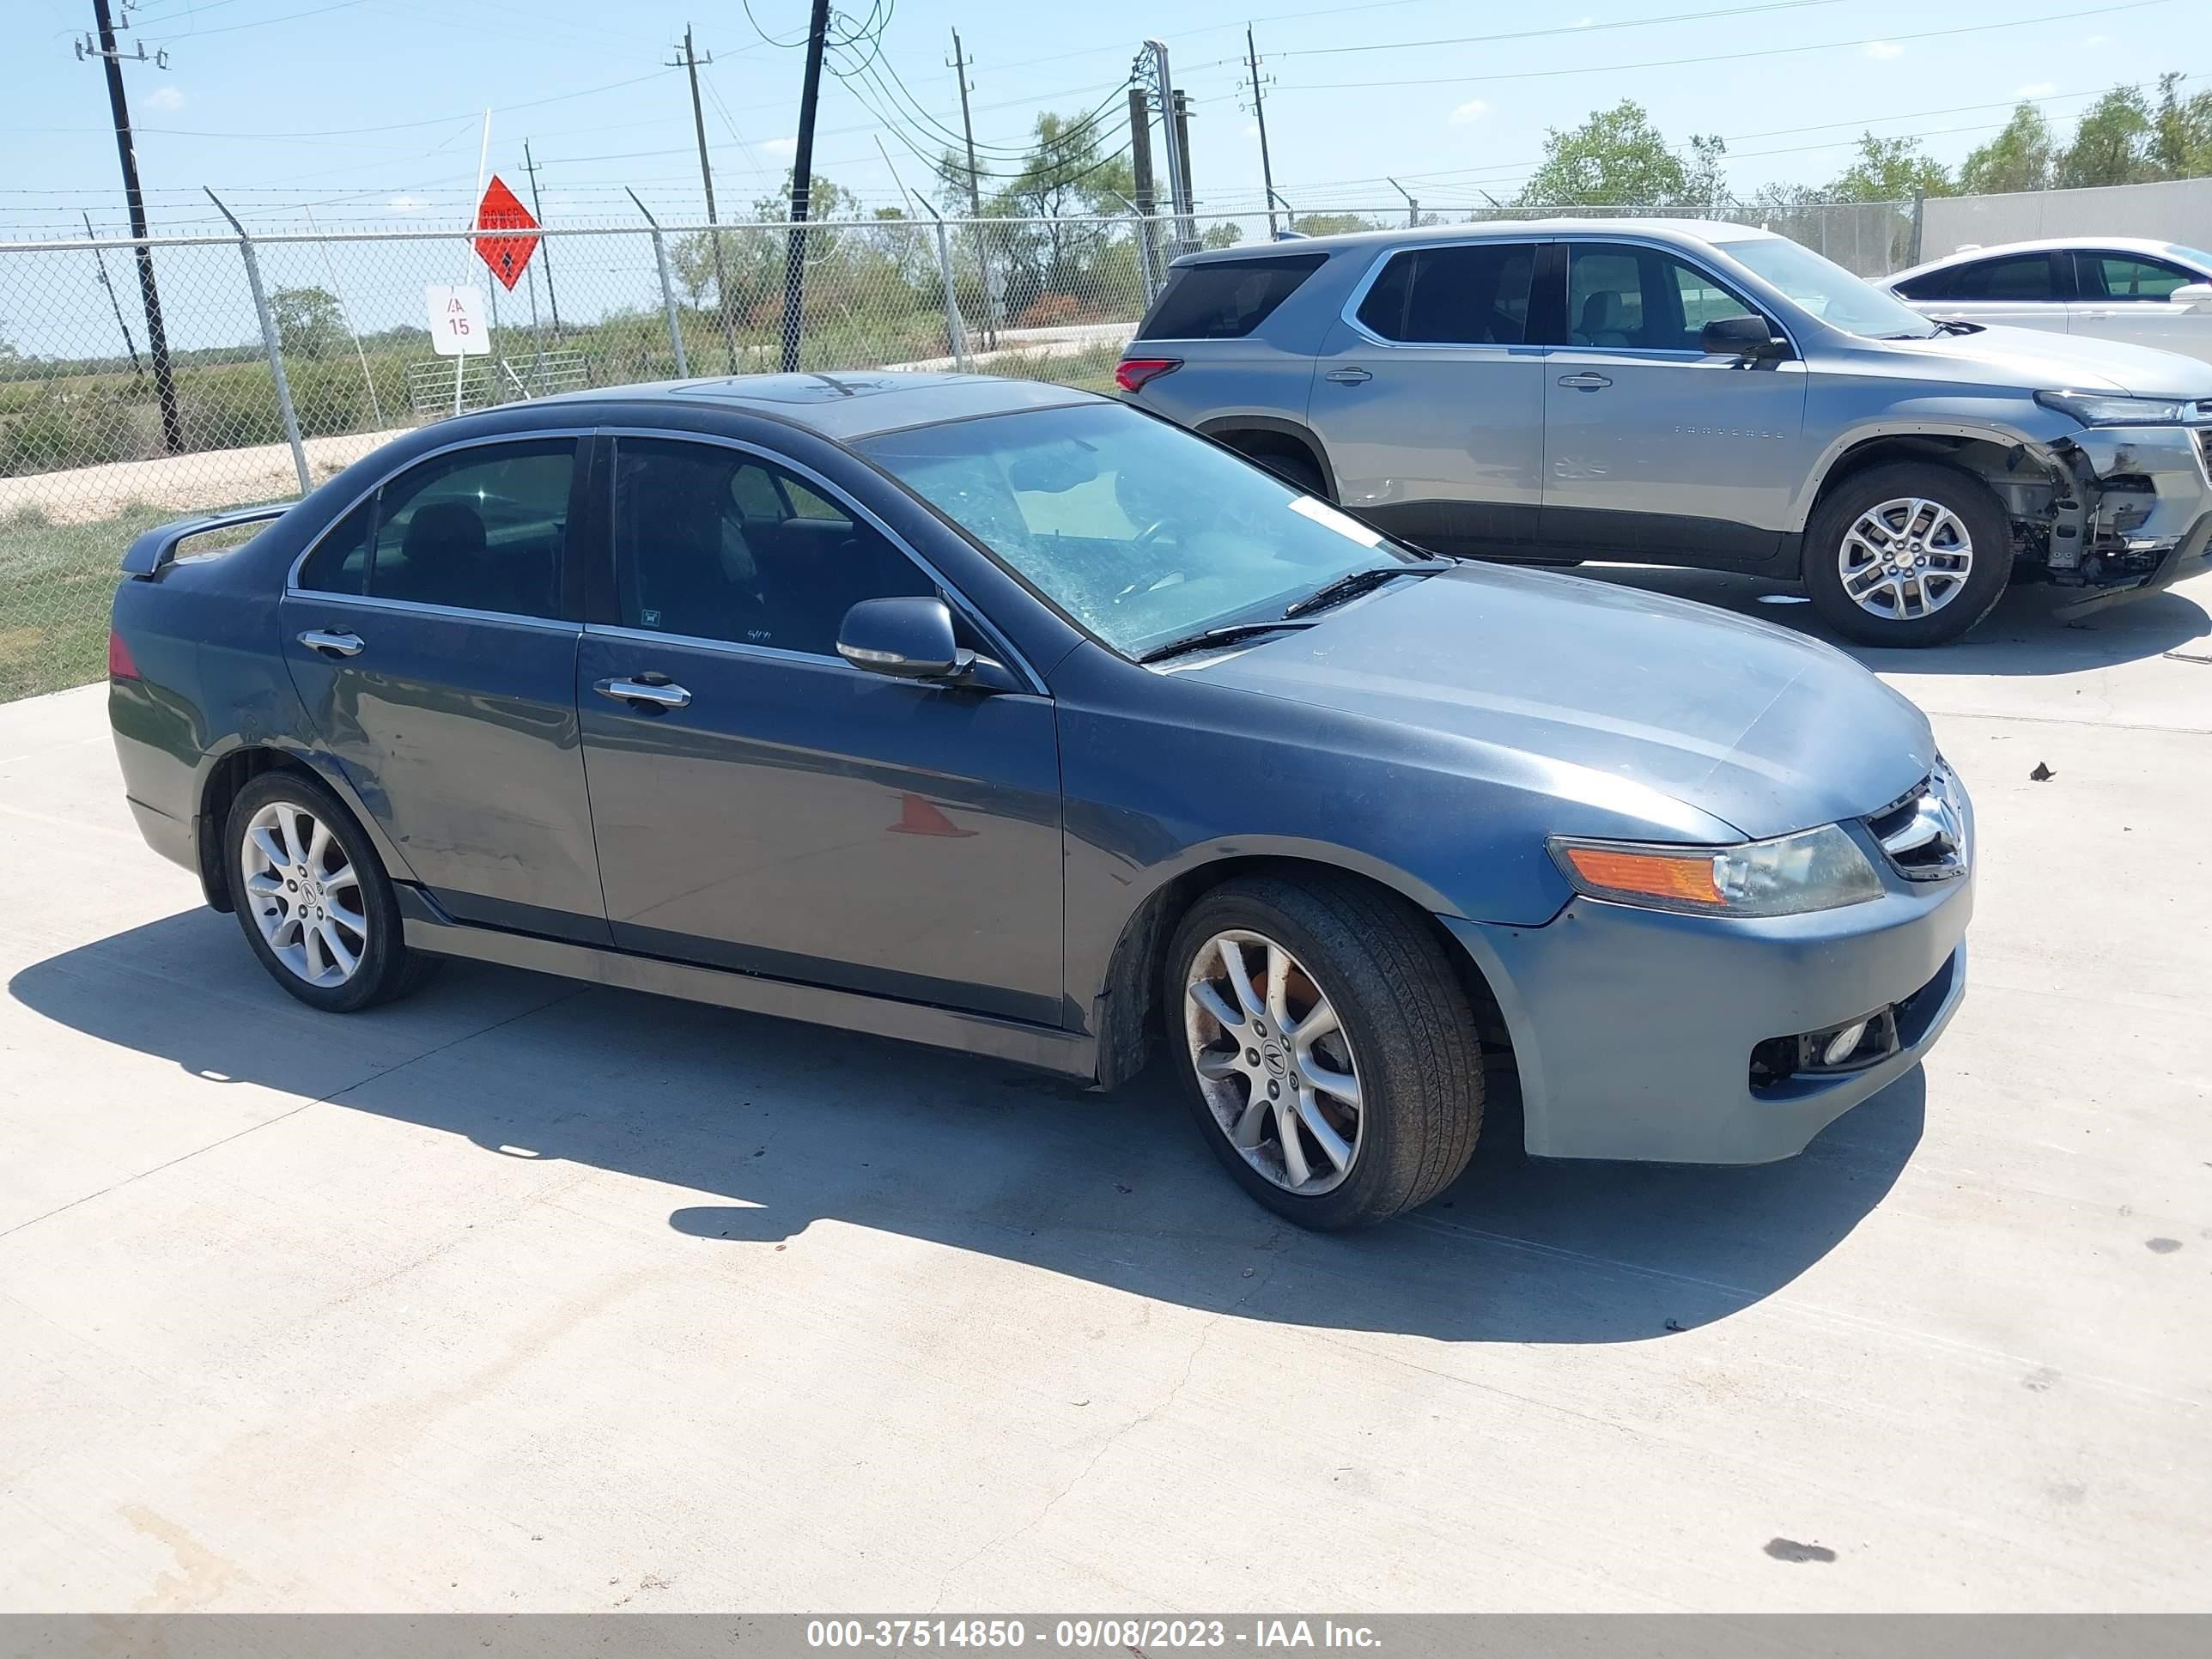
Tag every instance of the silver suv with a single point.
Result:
(1683, 392)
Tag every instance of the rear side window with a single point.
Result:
(480, 529)
(1226, 299)
(1475, 295)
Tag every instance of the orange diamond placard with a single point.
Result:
(507, 253)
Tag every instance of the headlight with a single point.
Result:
(1813, 870)
(2096, 408)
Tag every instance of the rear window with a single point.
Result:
(1226, 299)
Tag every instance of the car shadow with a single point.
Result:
(2027, 632)
(778, 1127)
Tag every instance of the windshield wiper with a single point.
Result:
(1358, 582)
(1226, 634)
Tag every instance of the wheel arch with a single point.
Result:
(1989, 454)
(1128, 1011)
(1254, 435)
(230, 770)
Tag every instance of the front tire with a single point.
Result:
(312, 899)
(1328, 1052)
(1914, 553)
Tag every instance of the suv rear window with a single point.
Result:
(1226, 299)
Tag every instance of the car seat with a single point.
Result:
(1604, 322)
(441, 560)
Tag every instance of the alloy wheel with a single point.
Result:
(1274, 1062)
(304, 894)
(1906, 559)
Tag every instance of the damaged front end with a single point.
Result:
(2127, 510)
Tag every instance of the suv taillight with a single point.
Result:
(120, 664)
(1134, 374)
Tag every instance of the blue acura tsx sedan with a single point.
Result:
(1006, 718)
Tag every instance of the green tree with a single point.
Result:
(2181, 142)
(1889, 170)
(1615, 158)
(1704, 183)
(2018, 158)
(309, 323)
(2112, 143)
(1332, 224)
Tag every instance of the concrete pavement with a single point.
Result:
(525, 1296)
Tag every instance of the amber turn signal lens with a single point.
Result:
(1686, 879)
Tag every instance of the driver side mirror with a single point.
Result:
(2193, 296)
(1745, 336)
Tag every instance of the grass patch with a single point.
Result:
(56, 583)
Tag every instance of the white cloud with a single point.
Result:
(1251, 129)
(1473, 110)
(406, 205)
(2097, 40)
(1584, 23)
(2036, 89)
(165, 98)
(1883, 51)
(779, 146)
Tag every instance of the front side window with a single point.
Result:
(1473, 294)
(715, 544)
(480, 529)
(2125, 277)
(1642, 298)
(1226, 299)
(1140, 531)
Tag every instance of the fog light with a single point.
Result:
(1840, 1046)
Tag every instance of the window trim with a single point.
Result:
(1688, 355)
(831, 492)
(2059, 263)
(1349, 313)
(579, 461)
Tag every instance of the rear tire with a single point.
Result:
(311, 898)
(1382, 1108)
(1888, 542)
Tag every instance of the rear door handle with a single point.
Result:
(331, 644)
(660, 696)
(1347, 376)
(1584, 381)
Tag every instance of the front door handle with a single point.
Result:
(1584, 381)
(331, 644)
(1347, 377)
(660, 696)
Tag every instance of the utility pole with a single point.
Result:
(544, 244)
(959, 68)
(1183, 154)
(157, 338)
(802, 191)
(1141, 174)
(1172, 135)
(1413, 203)
(99, 263)
(690, 62)
(1260, 115)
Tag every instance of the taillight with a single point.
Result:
(1134, 374)
(119, 664)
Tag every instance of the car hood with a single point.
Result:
(1613, 694)
(2040, 362)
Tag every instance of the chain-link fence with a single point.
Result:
(142, 381)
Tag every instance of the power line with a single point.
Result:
(1584, 27)
(1728, 56)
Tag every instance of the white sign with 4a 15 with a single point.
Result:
(457, 321)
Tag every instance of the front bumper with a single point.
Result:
(2147, 521)
(1633, 1029)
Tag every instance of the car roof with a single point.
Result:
(1686, 232)
(842, 404)
(2173, 251)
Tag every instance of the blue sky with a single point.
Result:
(370, 109)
